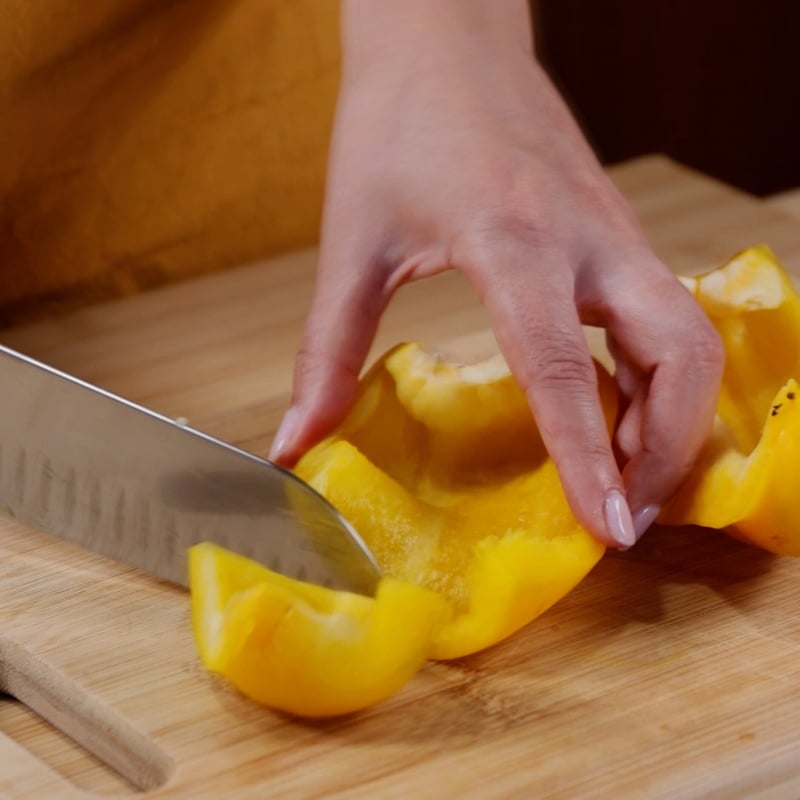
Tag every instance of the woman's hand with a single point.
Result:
(452, 150)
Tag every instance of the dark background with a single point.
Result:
(713, 84)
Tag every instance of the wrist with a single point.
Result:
(381, 32)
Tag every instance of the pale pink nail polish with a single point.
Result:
(644, 518)
(285, 434)
(617, 515)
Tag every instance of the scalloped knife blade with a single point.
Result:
(88, 466)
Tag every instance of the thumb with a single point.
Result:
(345, 311)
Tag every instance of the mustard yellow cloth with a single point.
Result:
(146, 140)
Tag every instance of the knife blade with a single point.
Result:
(128, 483)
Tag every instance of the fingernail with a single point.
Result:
(285, 434)
(619, 523)
(644, 518)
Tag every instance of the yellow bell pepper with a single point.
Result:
(745, 480)
(302, 648)
(442, 471)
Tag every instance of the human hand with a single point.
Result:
(458, 153)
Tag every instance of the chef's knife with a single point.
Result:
(93, 468)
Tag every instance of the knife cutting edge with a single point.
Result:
(88, 466)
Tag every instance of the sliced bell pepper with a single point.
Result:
(442, 471)
(302, 648)
(745, 480)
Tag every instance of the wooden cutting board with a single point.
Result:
(672, 671)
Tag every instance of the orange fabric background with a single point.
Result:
(144, 140)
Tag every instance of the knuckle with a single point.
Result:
(559, 363)
(508, 218)
(578, 459)
(494, 234)
(505, 215)
(703, 350)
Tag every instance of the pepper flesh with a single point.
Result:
(442, 471)
(302, 648)
(745, 479)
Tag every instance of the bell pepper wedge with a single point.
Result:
(305, 649)
(745, 479)
(500, 556)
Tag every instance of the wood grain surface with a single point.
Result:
(672, 671)
(788, 202)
